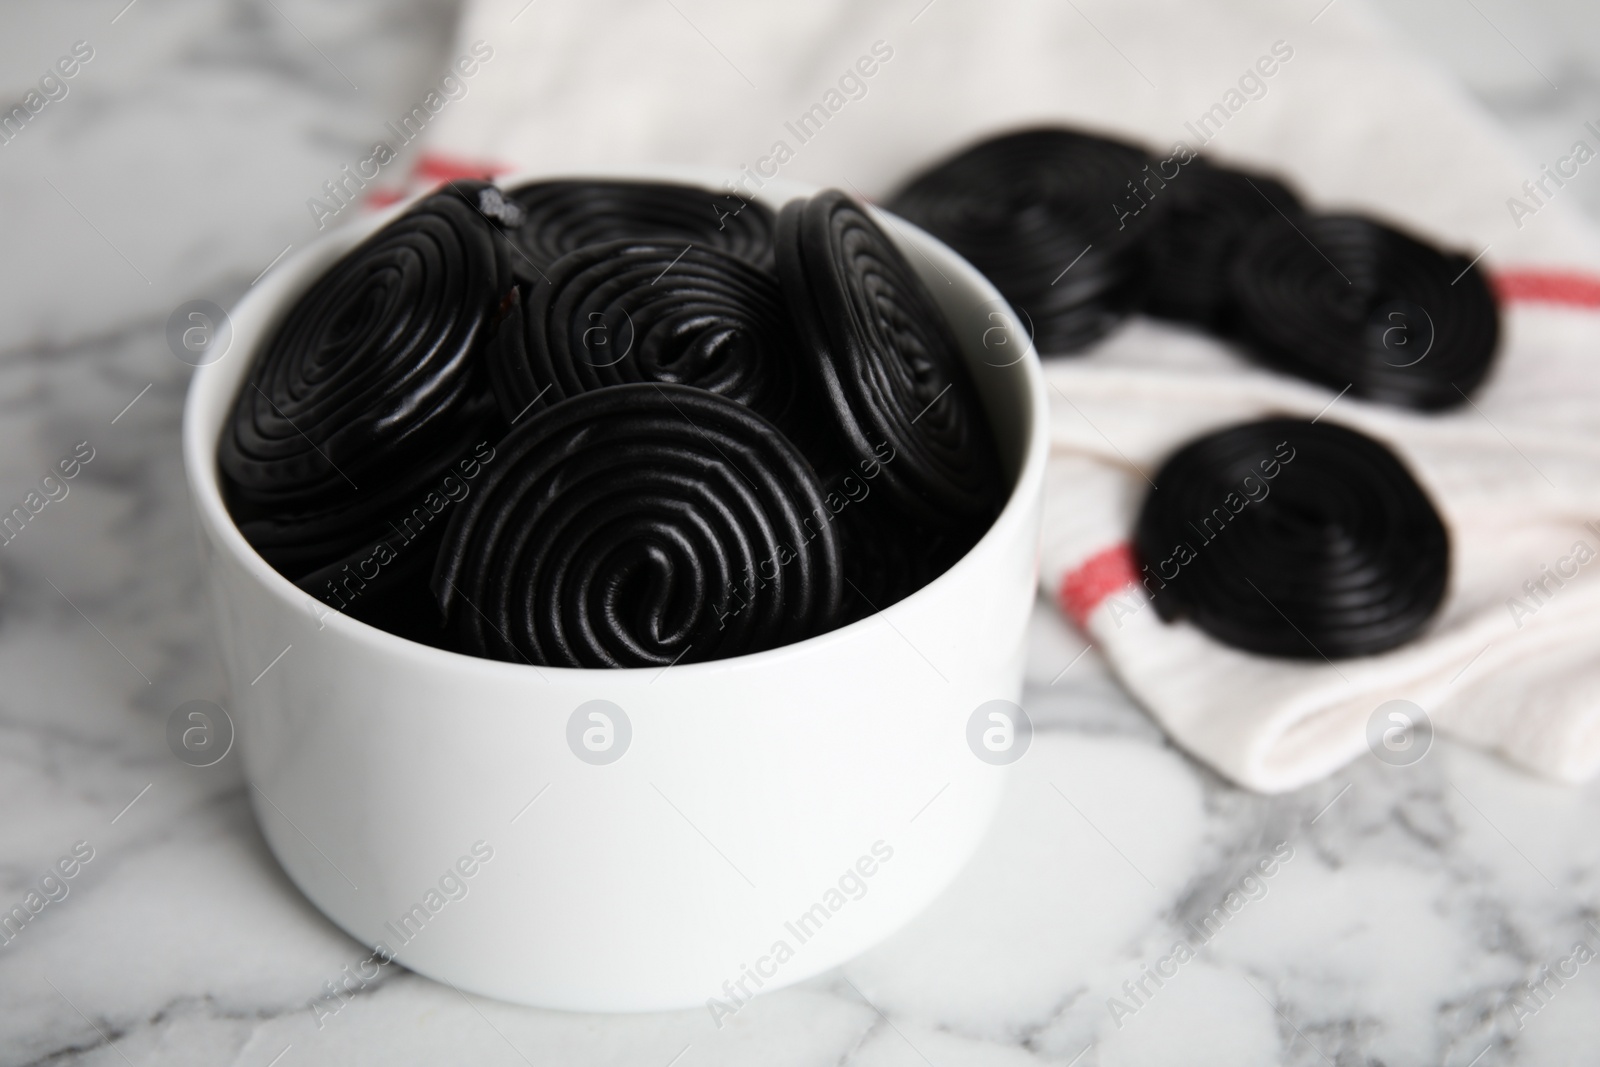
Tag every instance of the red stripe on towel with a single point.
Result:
(1569, 288)
(1087, 585)
(432, 167)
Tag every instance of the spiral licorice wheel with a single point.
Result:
(384, 580)
(1053, 217)
(563, 216)
(651, 311)
(375, 370)
(640, 525)
(887, 362)
(1210, 211)
(1293, 539)
(1347, 301)
(297, 541)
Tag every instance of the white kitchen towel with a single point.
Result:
(858, 97)
(1520, 623)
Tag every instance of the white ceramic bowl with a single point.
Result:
(754, 791)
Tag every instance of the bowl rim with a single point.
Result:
(287, 281)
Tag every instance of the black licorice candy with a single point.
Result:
(886, 561)
(1341, 300)
(1078, 230)
(374, 375)
(1293, 539)
(651, 310)
(299, 541)
(888, 364)
(1345, 300)
(1210, 210)
(1054, 218)
(640, 525)
(633, 455)
(563, 216)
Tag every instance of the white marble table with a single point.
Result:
(1405, 908)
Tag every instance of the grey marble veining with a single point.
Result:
(1414, 906)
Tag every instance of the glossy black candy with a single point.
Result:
(374, 377)
(1210, 210)
(564, 216)
(888, 559)
(1053, 217)
(610, 464)
(384, 580)
(299, 541)
(1293, 539)
(887, 364)
(636, 526)
(650, 310)
(1345, 300)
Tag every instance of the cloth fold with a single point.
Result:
(859, 98)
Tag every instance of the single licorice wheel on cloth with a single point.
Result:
(650, 310)
(1293, 539)
(1209, 212)
(1345, 300)
(1054, 218)
(887, 364)
(375, 371)
(564, 216)
(640, 525)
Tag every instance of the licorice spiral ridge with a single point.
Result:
(1293, 539)
(374, 362)
(563, 216)
(887, 363)
(1053, 217)
(640, 525)
(1345, 300)
(298, 541)
(651, 310)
